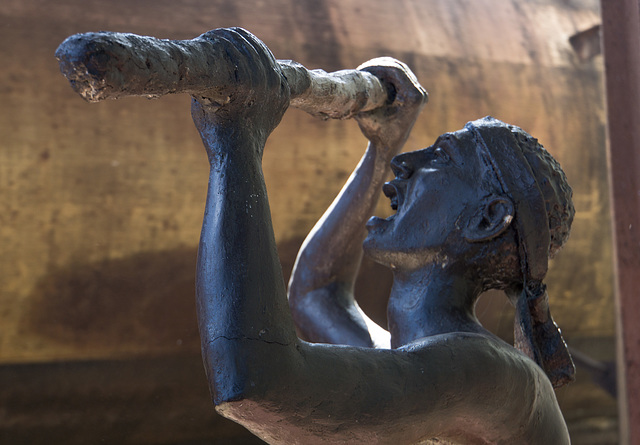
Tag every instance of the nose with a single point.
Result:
(405, 164)
(402, 166)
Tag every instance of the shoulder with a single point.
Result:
(497, 385)
(480, 349)
(483, 363)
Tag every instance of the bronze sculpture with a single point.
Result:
(483, 207)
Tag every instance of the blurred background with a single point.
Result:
(101, 204)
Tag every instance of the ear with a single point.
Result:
(492, 217)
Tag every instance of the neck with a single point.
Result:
(430, 301)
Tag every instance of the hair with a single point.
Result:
(499, 261)
(556, 192)
(525, 172)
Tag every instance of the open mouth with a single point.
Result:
(391, 192)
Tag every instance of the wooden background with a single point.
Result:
(101, 204)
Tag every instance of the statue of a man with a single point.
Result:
(481, 208)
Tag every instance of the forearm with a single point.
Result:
(239, 287)
(321, 287)
(333, 249)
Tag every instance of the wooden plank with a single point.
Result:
(621, 38)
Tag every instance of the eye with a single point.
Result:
(440, 156)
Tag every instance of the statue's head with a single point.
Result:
(489, 203)
(464, 200)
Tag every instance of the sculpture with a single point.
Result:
(483, 207)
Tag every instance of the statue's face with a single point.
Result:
(435, 192)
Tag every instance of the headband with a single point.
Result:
(535, 332)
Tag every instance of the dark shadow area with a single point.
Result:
(151, 401)
(373, 287)
(146, 300)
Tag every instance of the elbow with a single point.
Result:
(243, 369)
(305, 314)
(226, 375)
(300, 301)
(299, 286)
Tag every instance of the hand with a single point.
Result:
(388, 127)
(260, 97)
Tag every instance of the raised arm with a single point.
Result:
(321, 287)
(240, 293)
